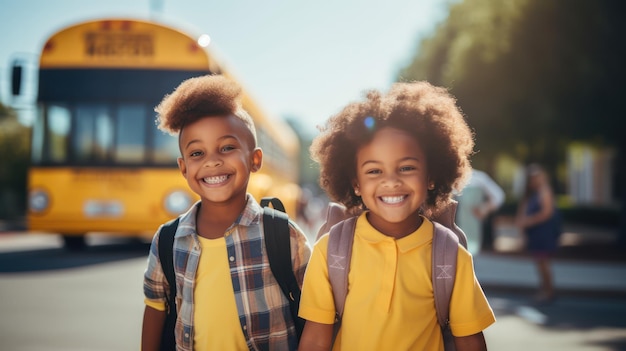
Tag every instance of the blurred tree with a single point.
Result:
(532, 75)
(14, 153)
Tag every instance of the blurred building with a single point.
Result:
(590, 175)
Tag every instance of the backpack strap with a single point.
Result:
(446, 217)
(278, 245)
(340, 240)
(166, 257)
(275, 202)
(335, 213)
(444, 256)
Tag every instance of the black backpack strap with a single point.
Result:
(166, 256)
(278, 246)
(275, 202)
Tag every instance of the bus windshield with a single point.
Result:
(99, 134)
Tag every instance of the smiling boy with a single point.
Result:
(227, 297)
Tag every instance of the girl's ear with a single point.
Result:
(357, 189)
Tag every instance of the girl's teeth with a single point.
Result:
(392, 199)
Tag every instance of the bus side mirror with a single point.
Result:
(16, 78)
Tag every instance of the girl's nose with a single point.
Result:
(391, 181)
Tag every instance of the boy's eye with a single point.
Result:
(227, 148)
(195, 153)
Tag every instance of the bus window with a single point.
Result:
(58, 133)
(165, 148)
(131, 134)
(93, 137)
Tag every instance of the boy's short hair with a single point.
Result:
(198, 97)
(426, 112)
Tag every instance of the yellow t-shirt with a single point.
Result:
(390, 303)
(216, 320)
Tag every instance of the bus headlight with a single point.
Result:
(177, 202)
(38, 201)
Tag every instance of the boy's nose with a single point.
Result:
(213, 162)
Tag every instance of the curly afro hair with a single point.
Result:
(198, 97)
(428, 113)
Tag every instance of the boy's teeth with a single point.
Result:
(215, 180)
(392, 199)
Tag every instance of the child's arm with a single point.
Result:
(316, 337)
(300, 252)
(474, 342)
(153, 321)
(154, 287)
(520, 215)
(547, 210)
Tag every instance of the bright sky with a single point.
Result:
(304, 59)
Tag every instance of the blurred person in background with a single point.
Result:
(539, 220)
(481, 197)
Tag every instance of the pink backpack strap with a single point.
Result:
(335, 213)
(339, 253)
(444, 257)
(446, 216)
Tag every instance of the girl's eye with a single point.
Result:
(407, 168)
(373, 171)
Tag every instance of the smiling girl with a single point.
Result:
(395, 160)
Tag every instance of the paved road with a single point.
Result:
(573, 323)
(55, 300)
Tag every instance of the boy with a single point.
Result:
(395, 159)
(227, 297)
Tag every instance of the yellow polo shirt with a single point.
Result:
(390, 303)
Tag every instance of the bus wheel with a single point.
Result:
(74, 242)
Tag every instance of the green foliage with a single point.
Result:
(530, 75)
(14, 160)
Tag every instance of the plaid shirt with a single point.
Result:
(265, 320)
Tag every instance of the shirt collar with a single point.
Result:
(421, 236)
(249, 216)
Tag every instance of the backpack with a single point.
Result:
(446, 239)
(277, 242)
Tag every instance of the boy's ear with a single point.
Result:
(182, 166)
(257, 159)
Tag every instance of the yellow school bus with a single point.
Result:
(99, 164)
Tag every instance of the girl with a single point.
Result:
(395, 159)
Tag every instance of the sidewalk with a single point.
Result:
(588, 262)
(516, 273)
